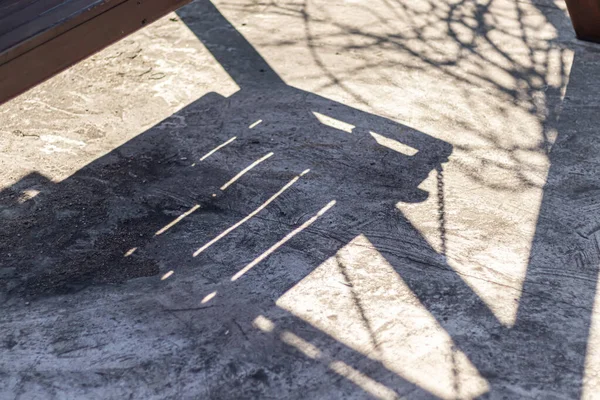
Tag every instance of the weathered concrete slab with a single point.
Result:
(308, 200)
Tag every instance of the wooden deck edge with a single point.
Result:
(28, 38)
(585, 15)
(57, 54)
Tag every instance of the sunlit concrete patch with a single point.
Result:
(208, 297)
(280, 243)
(167, 70)
(219, 147)
(369, 385)
(251, 215)
(27, 195)
(165, 229)
(245, 170)
(176, 220)
(300, 344)
(394, 144)
(475, 228)
(99, 103)
(263, 323)
(59, 144)
(358, 298)
(130, 252)
(360, 379)
(254, 124)
(167, 275)
(333, 122)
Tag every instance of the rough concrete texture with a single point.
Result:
(309, 199)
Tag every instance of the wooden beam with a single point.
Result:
(585, 15)
(42, 45)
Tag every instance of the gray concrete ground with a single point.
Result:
(309, 199)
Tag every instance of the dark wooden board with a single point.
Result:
(585, 15)
(39, 38)
(35, 22)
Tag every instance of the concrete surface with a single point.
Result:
(309, 199)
